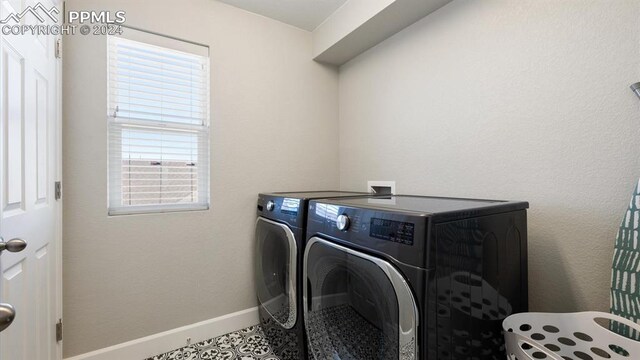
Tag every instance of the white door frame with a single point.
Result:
(59, 220)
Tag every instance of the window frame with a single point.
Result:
(116, 124)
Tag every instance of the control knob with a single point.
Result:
(342, 222)
(271, 205)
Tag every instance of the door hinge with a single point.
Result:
(58, 48)
(59, 330)
(58, 190)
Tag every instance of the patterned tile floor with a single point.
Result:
(339, 331)
(245, 344)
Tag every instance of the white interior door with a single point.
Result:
(30, 153)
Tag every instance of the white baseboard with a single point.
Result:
(173, 339)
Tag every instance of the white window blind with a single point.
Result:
(158, 114)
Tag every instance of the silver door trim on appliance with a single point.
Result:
(407, 308)
(293, 251)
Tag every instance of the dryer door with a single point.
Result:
(356, 306)
(276, 271)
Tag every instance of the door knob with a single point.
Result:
(7, 314)
(13, 245)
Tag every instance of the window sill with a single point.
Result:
(155, 209)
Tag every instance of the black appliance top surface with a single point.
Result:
(427, 204)
(309, 195)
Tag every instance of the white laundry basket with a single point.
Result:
(569, 336)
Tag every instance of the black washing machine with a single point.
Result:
(280, 237)
(413, 277)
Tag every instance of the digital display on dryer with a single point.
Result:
(395, 231)
(290, 206)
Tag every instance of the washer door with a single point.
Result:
(276, 271)
(356, 306)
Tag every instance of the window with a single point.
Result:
(158, 119)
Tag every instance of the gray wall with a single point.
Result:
(523, 100)
(274, 125)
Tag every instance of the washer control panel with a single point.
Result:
(282, 209)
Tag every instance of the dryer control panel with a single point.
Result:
(391, 230)
(400, 235)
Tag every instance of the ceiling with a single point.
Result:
(304, 14)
